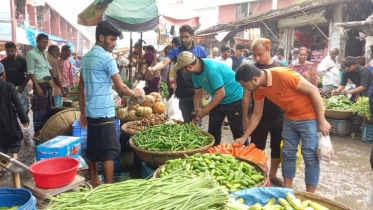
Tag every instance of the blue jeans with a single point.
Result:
(186, 106)
(306, 131)
(328, 87)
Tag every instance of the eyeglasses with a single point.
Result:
(185, 37)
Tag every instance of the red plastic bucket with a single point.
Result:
(54, 172)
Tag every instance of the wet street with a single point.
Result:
(346, 179)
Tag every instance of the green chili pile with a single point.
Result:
(338, 102)
(180, 190)
(361, 107)
(228, 171)
(171, 137)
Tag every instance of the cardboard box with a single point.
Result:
(59, 146)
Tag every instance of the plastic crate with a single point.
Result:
(341, 127)
(357, 121)
(80, 132)
(116, 165)
(367, 133)
(146, 171)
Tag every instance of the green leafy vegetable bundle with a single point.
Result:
(171, 137)
(338, 102)
(361, 107)
(164, 89)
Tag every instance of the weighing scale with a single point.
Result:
(41, 194)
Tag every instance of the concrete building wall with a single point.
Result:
(227, 13)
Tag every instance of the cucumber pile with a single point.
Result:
(228, 171)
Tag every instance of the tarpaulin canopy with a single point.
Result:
(31, 36)
(127, 15)
(137, 15)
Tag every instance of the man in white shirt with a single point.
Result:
(224, 57)
(214, 53)
(329, 69)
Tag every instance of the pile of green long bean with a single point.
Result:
(180, 190)
(171, 137)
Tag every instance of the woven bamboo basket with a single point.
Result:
(338, 114)
(156, 159)
(330, 204)
(59, 124)
(256, 166)
(126, 120)
(55, 110)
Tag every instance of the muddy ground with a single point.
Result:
(346, 179)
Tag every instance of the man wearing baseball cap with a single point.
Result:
(11, 134)
(217, 79)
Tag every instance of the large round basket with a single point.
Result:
(257, 167)
(156, 159)
(330, 204)
(338, 114)
(126, 120)
(59, 124)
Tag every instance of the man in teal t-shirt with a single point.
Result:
(217, 79)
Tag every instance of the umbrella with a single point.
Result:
(138, 15)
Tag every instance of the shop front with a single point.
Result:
(310, 30)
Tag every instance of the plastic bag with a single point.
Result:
(172, 110)
(369, 198)
(262, 195)
(135, 84)
(116, 98)
(325, 148)
(299, 155)
(132, 101)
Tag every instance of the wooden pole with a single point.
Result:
(13, 21)
(16, 177)
(130, 61)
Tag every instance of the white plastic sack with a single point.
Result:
(325, 148)
(369, 198)
(135, 84)
(132, 101)
(116, 98)
(172, 110)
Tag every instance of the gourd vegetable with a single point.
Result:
(158, 108)
(144, 111)
(149, 101)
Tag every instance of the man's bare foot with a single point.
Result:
(276, 181)
(96, 184)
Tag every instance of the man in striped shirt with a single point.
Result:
(98, 71)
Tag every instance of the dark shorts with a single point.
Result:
(66, 89)
(102, 140)
(260, 134)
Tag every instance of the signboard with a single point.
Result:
(5, 21)
(35, 3)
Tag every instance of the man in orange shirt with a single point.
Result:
(304, 116)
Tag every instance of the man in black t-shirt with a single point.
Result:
(273, 116)
(15, 67)
(16, 73)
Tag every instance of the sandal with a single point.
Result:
(276, 182)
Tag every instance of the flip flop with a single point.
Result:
(277, 182)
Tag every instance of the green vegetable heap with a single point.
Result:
(361, 107)
(181, 191)
(227, 170)
(338, 102)
(171, 137)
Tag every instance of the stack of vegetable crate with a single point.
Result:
(367, 133)
(341, 126)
